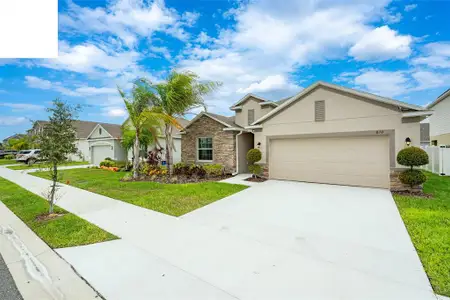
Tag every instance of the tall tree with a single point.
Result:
(143, 116)
(180, 93)
(57, 141)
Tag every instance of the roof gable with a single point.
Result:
(444, 95)
(337, 88)
(94, 131)
(225, 121)
(246, 98)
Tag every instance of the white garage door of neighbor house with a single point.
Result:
(357, 161)
(99, 153)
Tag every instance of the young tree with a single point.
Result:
(143, 116)
(177, 95)
(58, 141)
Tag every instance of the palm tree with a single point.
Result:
(143, 116)
(177, 95)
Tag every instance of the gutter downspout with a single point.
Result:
(237, 153)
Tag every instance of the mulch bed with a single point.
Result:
(48, 217)
(414, 194)
(255, 179)
(178, 179)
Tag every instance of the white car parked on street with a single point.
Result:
(28, 156)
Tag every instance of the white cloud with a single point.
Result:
(389, 84)
(43, 84)
(80, 91)
(114, 112)
(430, 80)
(269, 42)
(91, 59)
(410, 7)
(161, 50)
(380, 44)
(12, 121)
(127, 19)
(270, 83)
(22, 106)
(436, 55)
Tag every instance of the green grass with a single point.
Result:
(7, 162)
(65, 231)
(44, 165)
(171, 199)
(428, 224)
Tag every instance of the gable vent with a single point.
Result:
(319, 110)
(251, 116)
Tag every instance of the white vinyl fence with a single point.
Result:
(439, 158)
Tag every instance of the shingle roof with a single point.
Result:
(224, 119)
(84, 128)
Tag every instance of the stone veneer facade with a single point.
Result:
(224, 143)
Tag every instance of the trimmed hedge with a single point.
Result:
(412, 177)
(412, 157)
(253, 155)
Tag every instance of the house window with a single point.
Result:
(434, 143)
(205, 149)
(319, 111)
(251, 116)
(100, 131)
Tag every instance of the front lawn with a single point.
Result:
(44, 165)
(428, 224)
(65, 231)
(7, 162)
(171, 199)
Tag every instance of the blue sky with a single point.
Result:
(398, 49)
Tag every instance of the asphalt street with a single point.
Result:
(8, 289)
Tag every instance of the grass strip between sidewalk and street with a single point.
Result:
(7, 162)
(428, 224)
(67, 230)
(170, 199)
(44, 165)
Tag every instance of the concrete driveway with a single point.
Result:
(276, 240)
(335, 242)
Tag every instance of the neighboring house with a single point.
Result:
(440, 120)
(424, 134)
(176, 141)
(15, 137)
(324, 134)
(95, 141)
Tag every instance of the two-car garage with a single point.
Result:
(346, 160)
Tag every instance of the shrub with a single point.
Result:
(253, 156)
(412, 177)
(412, 157)
(108, 158)
(214, 170)
(197, 170)
(255, 169)
(180, 169)
(107, 163)
(9, 156)
(120, 163)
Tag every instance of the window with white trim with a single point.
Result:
(205, 149)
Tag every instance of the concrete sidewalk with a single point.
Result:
(38, 271)
(164, 257)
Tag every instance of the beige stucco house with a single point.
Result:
(440, 120)
(324, 134)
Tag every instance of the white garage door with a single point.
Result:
(100, 152)
(358, 161)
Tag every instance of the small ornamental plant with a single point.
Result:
(412, 157)
(253, 156)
